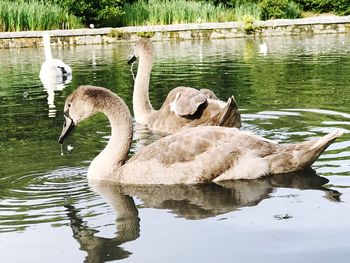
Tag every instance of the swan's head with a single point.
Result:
(142, 47)
(82, 103)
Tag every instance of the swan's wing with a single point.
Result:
(229, 116)
(195, 155)
(54, 73)
(183, 146)
(209, 94)
(65, 69)
(188, 107)
(187, 101)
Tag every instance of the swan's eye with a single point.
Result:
(69, 105)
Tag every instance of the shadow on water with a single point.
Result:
(192, 202)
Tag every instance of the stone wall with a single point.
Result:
(279, 27)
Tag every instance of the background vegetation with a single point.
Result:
(18, 15)
(156, 12)
(35, 15)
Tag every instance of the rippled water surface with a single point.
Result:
(50, 213)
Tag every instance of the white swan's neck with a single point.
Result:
(106, 164)
(141, 104)
(47, 47)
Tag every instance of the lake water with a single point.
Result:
(298, 90)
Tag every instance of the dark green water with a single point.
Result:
(49, 212)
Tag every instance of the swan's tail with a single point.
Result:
(295, 157)
(230, 114)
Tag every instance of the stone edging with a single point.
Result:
(316, 25)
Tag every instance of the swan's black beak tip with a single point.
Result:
(68, 127)
(132, 59)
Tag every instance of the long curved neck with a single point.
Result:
(141, 104)
(113, 156)
(47, 47)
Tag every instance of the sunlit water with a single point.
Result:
(298, 90)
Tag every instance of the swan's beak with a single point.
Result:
(67, 129)
(132, 59)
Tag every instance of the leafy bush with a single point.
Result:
(272, 9)
(235, 3)
(293, 10)
(341, 7)
(248, 23)
(98, 12)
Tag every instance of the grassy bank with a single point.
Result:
(34, 15)
(164, 12)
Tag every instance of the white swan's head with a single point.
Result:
(143, 47)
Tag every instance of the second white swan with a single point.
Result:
(53, 70)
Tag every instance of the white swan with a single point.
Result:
(195, 155)
(183, 107)
(53, 70)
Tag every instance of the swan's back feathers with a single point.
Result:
(55, 71)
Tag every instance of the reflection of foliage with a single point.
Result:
(249, 51)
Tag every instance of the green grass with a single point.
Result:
(249, 9)
(165, 12)
(34, 15)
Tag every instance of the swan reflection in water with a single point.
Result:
(52, 84)
(187, 201)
